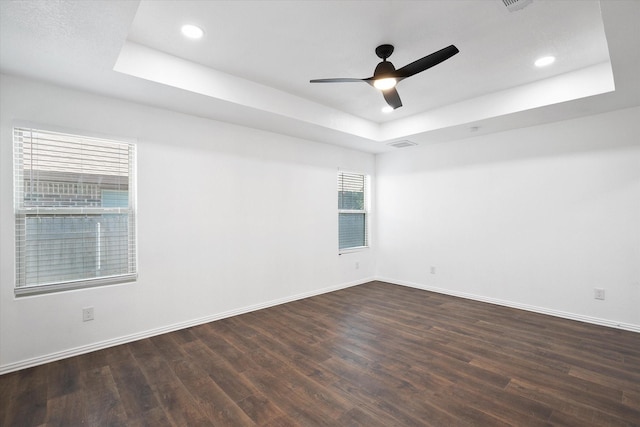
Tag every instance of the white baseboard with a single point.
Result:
(542, 310)
(52, 357)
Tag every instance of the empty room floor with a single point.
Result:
(370, 355)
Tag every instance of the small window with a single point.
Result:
(75, 211)
(352, 211)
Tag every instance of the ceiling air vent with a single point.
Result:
(402, 144)
(513, 5)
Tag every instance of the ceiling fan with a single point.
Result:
(385, 77)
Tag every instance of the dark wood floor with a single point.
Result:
(371, 355)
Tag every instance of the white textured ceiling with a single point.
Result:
(254, 64)
(284, 44)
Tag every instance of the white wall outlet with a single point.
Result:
(357, 265)
(433, 270)
(87, 314)
(598, 293)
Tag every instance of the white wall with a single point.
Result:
(229, 219)
(533, 218)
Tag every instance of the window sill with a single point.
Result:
(24, 291)
(351, 250)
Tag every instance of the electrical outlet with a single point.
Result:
(87, 314)
(598, 293)
(433, 270)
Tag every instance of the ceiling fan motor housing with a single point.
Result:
(384, 68)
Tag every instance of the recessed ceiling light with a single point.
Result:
(544, 61)
(192, 31)
(387, 109)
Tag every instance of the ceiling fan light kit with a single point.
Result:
(384, 84)
(386, 77)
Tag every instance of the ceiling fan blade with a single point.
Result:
(427, 62)
(392, 97)
(338, 80)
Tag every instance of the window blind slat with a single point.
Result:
(75, 218)
(352, 214)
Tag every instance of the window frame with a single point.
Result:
(365, 211)
(22, 213)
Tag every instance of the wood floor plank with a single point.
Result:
(65, 410)
(376, 399)
(293, 398)
(168, 347)
(284, 421)
(210, 398)
(175, 400)
(631, 399)
(600, 399)
(28, 405)
(608, 378)
(370, 355)
(63, 377)
(220, 346)
(507, 407)
(364, 416)
(179, 406)
(570, 406)
(260, 409)
(133, 389)
(275, 355)
(282, 333)
(153, 365)
(152, 418)
(219, 370)
(8, 395)
(104, 403)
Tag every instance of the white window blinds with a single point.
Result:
(75, 211)
(352, 211)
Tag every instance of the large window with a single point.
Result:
(75, 211)
(352, 211)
